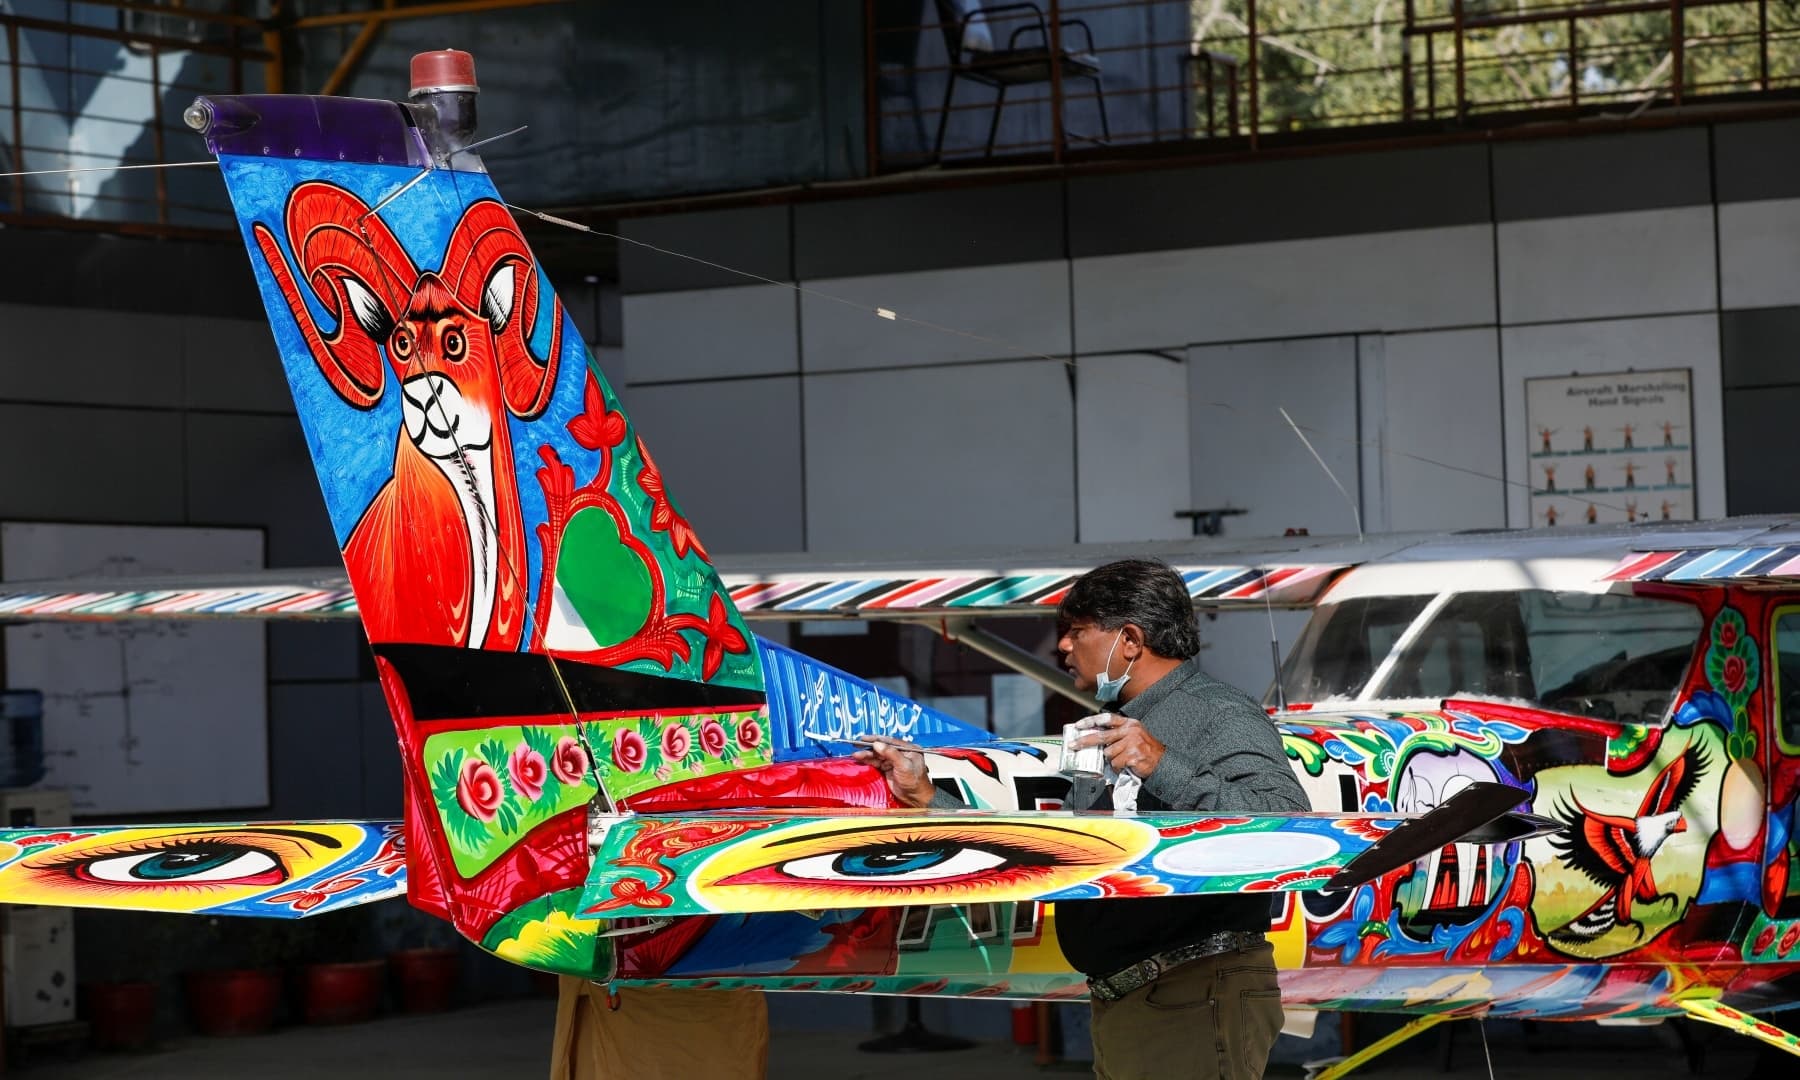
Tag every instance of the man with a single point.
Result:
(1180, 986)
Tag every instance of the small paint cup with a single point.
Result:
(1085, 761)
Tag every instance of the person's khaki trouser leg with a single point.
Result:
(659, 1034)
(1216, 1017)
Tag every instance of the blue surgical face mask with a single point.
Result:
(1107, 688)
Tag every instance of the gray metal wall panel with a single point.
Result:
(1245, 455)
(930, 230)
(1601, 174)
(255, 470)
(381, 790)
(934, 457)
(92, 357)
(1277, 200)
(75, 464)
(1759, 439)
(310, 650)
(753, 239)
(315, 751)
(1759, 262)
(232, 364)
(1757, 347)
(1643, 262)
(710, 334)
(122, 273)
(1004, 313)
(1757, 160)
(729, 452)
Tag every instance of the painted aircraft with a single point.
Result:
(608, 775)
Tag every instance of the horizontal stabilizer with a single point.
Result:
(700, 864)
(1711, 1011)
(1478, 814)
(276, 869)
(814, 709)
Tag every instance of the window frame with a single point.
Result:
(1772, 663)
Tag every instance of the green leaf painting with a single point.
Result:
(491, 786)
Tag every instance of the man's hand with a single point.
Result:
(1129, 746)
(903, 766)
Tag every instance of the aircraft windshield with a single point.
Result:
(1608, 657)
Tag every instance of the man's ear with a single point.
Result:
(1132, 643)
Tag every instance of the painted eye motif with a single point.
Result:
(237, 864)
(401, 344)
(164, 868)
(896, 862)
(455, 345)
(903, 861)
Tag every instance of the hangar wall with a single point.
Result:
(1392, 302)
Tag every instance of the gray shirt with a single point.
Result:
(1220, 752)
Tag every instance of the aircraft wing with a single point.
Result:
(276, 870)
(1773, 557)
(321, 593)
(734, 863)
(1287, 572)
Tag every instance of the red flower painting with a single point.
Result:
(1735, 671)
(676, 742)
(749, 733)
(628, 750)
(570, 762)
(478, 790)
(528, 771)
(712, 738)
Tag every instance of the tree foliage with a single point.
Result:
(1344, 62)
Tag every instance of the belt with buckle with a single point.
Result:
(1144, 972)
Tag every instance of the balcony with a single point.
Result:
(960, 83)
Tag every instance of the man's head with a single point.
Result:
(1126, 612)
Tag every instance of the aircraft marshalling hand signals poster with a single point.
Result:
(1611, 448)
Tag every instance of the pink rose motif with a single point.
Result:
(676, 742)
(749, 733)
(1734, 673)
(628, 750)
(528, 771)
(1728, 633)
(478, 790)
(712, 738)
(570, 762)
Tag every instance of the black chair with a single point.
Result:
(1031, 60)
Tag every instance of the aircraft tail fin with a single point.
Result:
(486, 489)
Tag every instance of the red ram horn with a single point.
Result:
(357, 270)
(485, 242)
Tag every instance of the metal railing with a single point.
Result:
(1173, 71)
(90, 86)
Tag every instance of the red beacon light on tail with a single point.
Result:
(444, 81)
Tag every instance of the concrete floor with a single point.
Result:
(512, 1039)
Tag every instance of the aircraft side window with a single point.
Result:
(1475, 645)
(1342, 645)
(1787, 675)
(1608, 656)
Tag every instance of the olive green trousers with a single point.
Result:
(1215, 1017)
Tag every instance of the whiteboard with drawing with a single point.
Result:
(143, 717)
